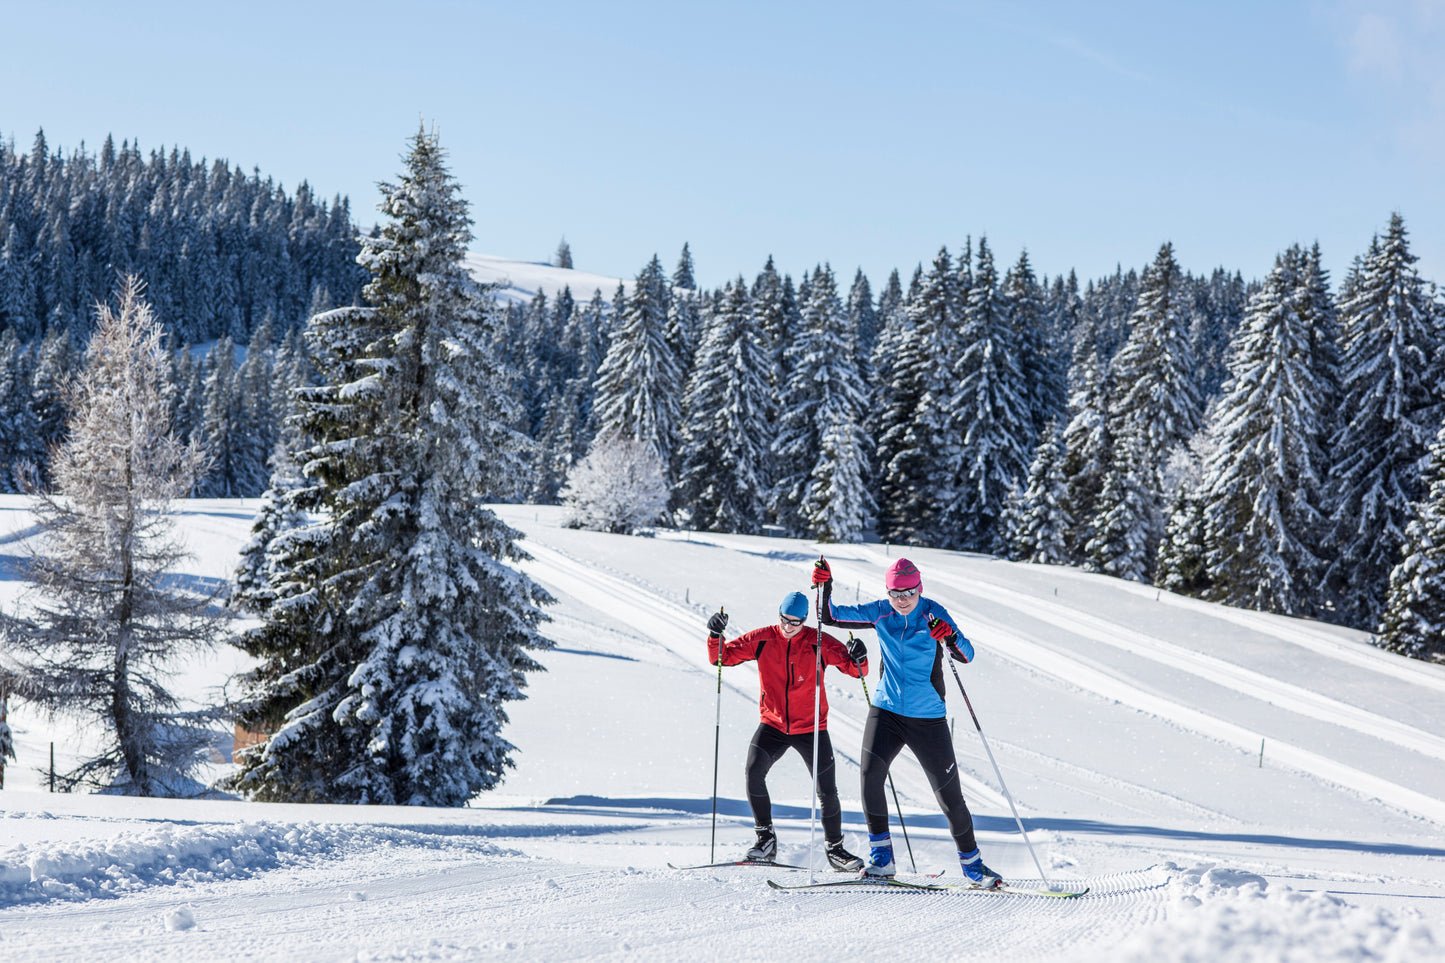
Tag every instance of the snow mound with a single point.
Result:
(1221, 913)
(188, 854)
(179, 919)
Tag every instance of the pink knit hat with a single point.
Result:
(901, 575)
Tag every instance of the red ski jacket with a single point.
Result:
(786, 670)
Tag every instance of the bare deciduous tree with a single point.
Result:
(107, 616)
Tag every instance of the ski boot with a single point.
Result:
(765, 850)
(977, 872)
(841, 860)
(880, 856)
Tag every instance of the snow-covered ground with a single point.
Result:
(1127, 722)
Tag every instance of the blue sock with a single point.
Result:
(967, 857)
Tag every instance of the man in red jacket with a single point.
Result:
(786, 654)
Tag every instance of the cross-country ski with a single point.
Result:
(893, 883)
(764, 863)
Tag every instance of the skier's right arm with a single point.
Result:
(744, 648)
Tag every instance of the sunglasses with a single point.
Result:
(788, 621)
(902, 593)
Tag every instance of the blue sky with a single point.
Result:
(861, 134)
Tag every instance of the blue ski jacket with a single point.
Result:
(910, 662)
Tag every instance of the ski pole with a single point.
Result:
(817, 692)
(716, 741)
(1006, 794)
(896, 807)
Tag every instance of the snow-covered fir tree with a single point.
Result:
(911, 409)
(821, 447)
(563, 257)
(990, 424)
(19, 425)
(863, 317)
(890, 302)
(261, 569)
(1315, 305)
(399, 629)
(684, 327)
(640, 382)
(1088, 444)
(1154, 401)
(57, 359)
(1040, 524)
(561, 360)
(683, 275)
(568, 428)
(776, 315)
(264, 407)
(232, 438)
(1182, 563)
(99, 636)
(1217, 308)
(725, 439)
(1120, 544)
(1063, 313)
(183, 389)
(1391, 396)
(965, 270)
(1262, 488)
(7, 741)
(1040, 365)
(1414, 619)
(838, 503)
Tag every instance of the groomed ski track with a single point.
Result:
(676, 627)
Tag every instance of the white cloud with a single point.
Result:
(1375, 46)
(1398, 47)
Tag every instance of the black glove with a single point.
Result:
(717, 623)
(857, 651)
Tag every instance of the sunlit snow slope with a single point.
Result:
(1127, 722)
(523, 280)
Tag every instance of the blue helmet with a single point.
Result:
(795, 606)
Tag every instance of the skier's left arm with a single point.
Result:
(837, 655)
(942, 627)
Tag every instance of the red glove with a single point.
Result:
(822, 574)
(939, 629)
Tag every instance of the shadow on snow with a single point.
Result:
(998, 824)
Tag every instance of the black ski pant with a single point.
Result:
(884, 736)
(768, 746)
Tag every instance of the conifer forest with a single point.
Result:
(1270, 438)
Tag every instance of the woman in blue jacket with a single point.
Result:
(908, 709)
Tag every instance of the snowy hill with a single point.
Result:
(1127, 722)
(523, 280)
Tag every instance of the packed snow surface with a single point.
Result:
(1229, 785)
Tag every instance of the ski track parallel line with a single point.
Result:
(1276, 692)
(1079, 675)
